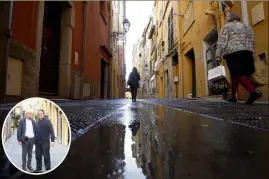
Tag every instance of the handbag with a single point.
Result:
(129, 82)
(216, 73)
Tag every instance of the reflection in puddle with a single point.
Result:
(132, 170)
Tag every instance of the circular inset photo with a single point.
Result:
(36, 136)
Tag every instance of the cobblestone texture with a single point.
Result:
(256, 115)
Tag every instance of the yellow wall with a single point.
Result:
(193, 38)
(14, 77)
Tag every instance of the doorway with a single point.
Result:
(175, 66)
(161, 87)
(103, 82)
(50, 49)
(191, 71)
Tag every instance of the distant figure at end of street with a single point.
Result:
(236, 45)
(26, 137)
(133, 81)
(44, 133)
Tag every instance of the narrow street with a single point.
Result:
(154, 139)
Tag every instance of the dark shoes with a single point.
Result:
(38, 171)
(253, 97)
(232, 100)
(30, 169)
(24, 168)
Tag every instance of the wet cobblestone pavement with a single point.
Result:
(145, 140)
(256, 115)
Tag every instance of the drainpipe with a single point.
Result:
(181, 42)
(6, 8)
(84, 26)
(244, 7)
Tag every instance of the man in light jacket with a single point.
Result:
(26, 138)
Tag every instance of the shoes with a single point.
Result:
(253, 97)
(48, 169)
(38, 171)
(24, 168)
(30, 169)
(232, 100)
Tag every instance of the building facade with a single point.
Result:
(183, 43)
(60, 50)
(118, 66)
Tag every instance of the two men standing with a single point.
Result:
(38, 133)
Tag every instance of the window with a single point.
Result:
(159, 50)
(144, 40)
(170, 31)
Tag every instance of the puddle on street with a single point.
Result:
(151, 141)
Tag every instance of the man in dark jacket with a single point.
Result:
(26, 137)
(44, 132)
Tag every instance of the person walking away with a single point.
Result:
(133, 81)
(26, 138)
(236, 45)
(44, 132)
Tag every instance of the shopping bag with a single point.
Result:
(260, 77)
(216, 73)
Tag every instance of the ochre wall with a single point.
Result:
(193, 38)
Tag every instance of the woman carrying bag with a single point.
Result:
(236, 45)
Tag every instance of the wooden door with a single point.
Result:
(50, 49)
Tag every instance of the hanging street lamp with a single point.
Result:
(126, 25)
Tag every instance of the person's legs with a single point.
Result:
(244, 81)
(235, 80)
(29, 152)
(46, 153)
(235, 84)
(24, 154)
(132, 91)
(254, 94)
(135, 93)
(38, 154)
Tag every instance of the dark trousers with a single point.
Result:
(134, 93)
(42, 149)
(27, 150)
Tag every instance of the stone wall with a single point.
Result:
(30, 71)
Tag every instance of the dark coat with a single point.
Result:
(133, 80)
(44, 131)
(22, 129)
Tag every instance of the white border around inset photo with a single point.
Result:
(69, 137)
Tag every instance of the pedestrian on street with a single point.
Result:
(133, 81)
(44, 132)
(236, 45)
(26, 138)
